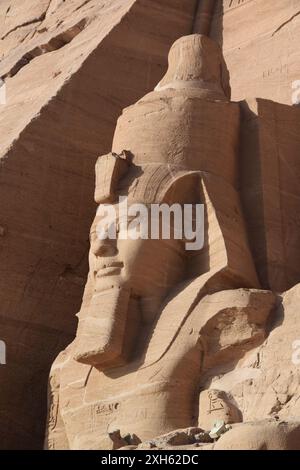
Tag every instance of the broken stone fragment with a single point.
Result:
(204, 438)
(218, 429)
(127, 441)
(180, 437)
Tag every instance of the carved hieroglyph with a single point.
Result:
(154, 316)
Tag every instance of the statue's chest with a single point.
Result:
(145, 402)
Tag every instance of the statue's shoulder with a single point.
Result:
(67, 373)
(193, 313)
(65, 363)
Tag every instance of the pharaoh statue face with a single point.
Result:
(130, 271)
(149, 268)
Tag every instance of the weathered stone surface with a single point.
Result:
(270, 172)
(167, 339)
(266, 434)
(214, 406)
(180, 437)
(70, 68)
(261, 435)
(265, 382)
(159, 387)
(260, 40)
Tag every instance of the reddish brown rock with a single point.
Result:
(266, 434)
(130, 369)
(174, 340)
(265, 382)
(214, 406)
(260, 40)
(270, 172)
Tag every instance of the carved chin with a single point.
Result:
(102, 336)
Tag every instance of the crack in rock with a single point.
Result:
(53, 44)
(82, 5)
(286, 22)
(27, 23)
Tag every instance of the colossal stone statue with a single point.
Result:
(155, 316)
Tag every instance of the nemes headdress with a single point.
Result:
(149, 183)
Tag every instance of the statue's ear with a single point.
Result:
(183, 188)
(109, 170)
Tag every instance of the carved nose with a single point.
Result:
(105, 248)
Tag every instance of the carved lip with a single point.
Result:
(110, 269)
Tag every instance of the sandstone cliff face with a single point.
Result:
(69, 67)
(265, 383)
(260, 40)
(256, 395)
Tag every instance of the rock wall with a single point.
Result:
(260, 40)
(70, 67)
(269, 165)
(264, 384)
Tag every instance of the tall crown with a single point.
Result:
(195, 61)
(188, 120)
